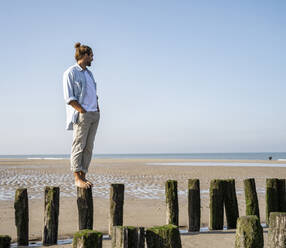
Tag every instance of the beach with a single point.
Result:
(144, 203)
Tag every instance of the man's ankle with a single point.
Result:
(77, 175)
(82, 175)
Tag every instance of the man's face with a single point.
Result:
(88, 59)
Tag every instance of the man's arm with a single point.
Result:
(77, 106)
(68, 87)
(70, 99)
(97, 103)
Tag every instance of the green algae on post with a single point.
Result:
(172, 211)
(251, 201)
(21, 205)
(249, 233)
(87, 239)
(194, 205)
(167, 236)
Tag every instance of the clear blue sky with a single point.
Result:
(173, 76)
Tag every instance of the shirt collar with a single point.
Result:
(77, 66)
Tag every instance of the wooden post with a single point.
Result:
(5, 241)
(230, 203)
(21, 206)
(116, 206)
(216, 205)
(251, 201)
(87, 239)
(276, 232)
(85, 208)
(51, 215)
(272, 197)
(171, 193)
(249, 233)
(282, 195)
(141, 237)
(128, 237)
(117, 237)
(167, 236)
(194, 205)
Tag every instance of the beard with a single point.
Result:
(89, 63)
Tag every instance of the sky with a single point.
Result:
(172, 76)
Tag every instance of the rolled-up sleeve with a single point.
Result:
(68, 87)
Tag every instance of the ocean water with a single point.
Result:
(227, 164)
(236, 156)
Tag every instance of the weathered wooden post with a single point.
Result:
(277, 230)
(128, 237)
(21, 206)
(5, 241)
(171, 192)
(116, 206)
(85, 208)
(216, 204)
(117, 239)
(230, 203)
(251, 201)
(194, 205)
(249, 233)
(271, 197)
(87, 239)
(51, 215)
(167, 236)
(282, 195)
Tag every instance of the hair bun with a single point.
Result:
(77, 45)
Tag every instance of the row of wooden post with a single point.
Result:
(249, 234)
(51, 212)
(167, 236)
(222, 194)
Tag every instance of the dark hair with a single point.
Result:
(81, 50)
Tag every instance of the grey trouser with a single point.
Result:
(83, 139)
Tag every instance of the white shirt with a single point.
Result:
(90, 99)
(75, 88)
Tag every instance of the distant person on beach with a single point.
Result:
(82, 112)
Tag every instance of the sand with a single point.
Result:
(144, 194)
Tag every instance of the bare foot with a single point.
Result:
(89, 182)
(81, 183)
(82, 175)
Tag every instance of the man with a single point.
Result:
(82, 112)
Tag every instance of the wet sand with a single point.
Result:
(144, 193)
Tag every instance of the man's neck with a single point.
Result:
(82, 65)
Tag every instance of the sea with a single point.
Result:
(280, 156)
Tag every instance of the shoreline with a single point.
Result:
(143, 160)
(252, 156)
